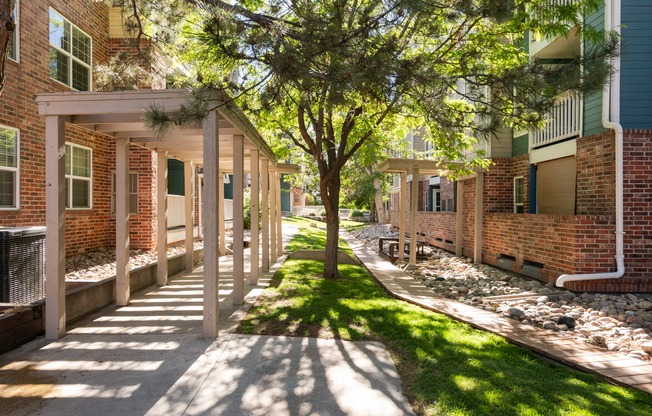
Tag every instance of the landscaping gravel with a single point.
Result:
(617, 322)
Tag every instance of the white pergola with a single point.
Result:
(433, 167)
(226, 142)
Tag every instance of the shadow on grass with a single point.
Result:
(446, 366)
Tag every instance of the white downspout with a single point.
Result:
(611, 101)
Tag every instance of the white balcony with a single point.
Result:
(562, 47)
(564, 122)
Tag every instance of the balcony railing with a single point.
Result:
(564, 122)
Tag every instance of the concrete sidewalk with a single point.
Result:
(150, 358)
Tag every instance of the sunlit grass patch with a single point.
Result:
(446, 367)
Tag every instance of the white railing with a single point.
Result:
(176, 211)
(564, 122)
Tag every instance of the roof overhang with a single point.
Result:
(425, 167)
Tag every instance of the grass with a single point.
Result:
(447, 367)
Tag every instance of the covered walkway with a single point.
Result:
(150, 358)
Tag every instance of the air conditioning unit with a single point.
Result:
(22, 264)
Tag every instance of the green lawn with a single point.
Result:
(447, 368)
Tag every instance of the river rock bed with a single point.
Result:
(617, 322)
(99, 264)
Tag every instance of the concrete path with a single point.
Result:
(612, 366)
(149, 358)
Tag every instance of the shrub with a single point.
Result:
(357, 214)
(322, 213)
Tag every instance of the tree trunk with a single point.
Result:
(331, 198)
(378, 195)
(7, 27)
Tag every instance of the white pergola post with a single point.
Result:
(123, 286)
(264, 176)
(272, 217)
(221, 228)
(55, 233)
(200, 202)
(402, 207)
(189, 201)
(279, 224)
(211, 249)
(414, 206)
(162, 219)
(459, 219)
(254, 256)
(238, 219)
(477, 240)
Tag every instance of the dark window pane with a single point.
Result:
(7, 189)
(81, 46)
(59, 66)
(80, 77)
(80, 193)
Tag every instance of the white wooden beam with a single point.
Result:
(123, 286)
(402, 225)
(189, 200)
(55, 234)
(459, 219)
(254, 257)
(414, 206)
(478, 231)
(264, 176)
(272, 217)
(211, 251)
(238, 219)
(221, 228)
(162, 219)
(279, 224)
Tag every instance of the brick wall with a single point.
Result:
(637, 193)
(30, 76)
(595, 189)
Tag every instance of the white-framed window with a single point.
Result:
(79, 176)
(518, 195)
(133, 193)
(9, 167)
(70, 53)
(14, 44)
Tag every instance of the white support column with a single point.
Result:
(264, 176)
(55, 233)
(189, 200)
(123, 286)
(211, 249)
(254, 257)
(200, 207)
(402, 216)
(279, 224)
(414, 206)
(477, 239)
(272, 217)
(238, 219)
(459, 219)
(221, 229)
(162, 219)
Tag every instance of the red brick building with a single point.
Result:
(550, 202)
(57, 47)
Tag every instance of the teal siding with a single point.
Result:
(636, 63)
(175, 177)
(593, 102)
(520, 146)
(285, 195)
(228, 188)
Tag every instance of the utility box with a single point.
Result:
(22, 264)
